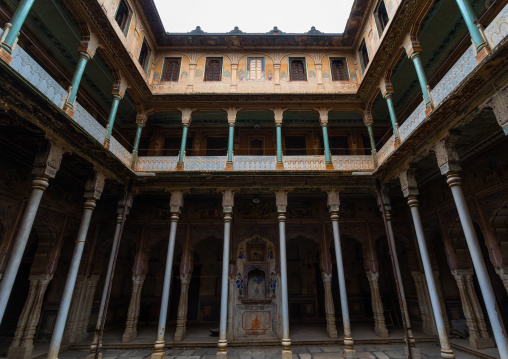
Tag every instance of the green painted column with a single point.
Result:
(422, 78)
(111, 119)
(393, 117)
(372, 141)
(328, 155)
(76, 79)
(470, 18)
(278, 128)
(183, 145)
(17, 21)
(231, 141)
(136, 142)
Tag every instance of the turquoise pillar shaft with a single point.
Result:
(278, 127)
(372, 141)
(328, 155)
(112, 116)
(421, 77)
(231, 141)
(470, 18)
(184, 143)
(393, 117)
(136, 143)
(17, 21)
(76, 79)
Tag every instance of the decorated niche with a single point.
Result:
(256, 281)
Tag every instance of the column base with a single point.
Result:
(397, 143)
(329, 166)
(158, 355)
(447, 354)
(68, 111)
(233, 88)
(129, 336)
(381, 332)
(190, 89)
(92, 356)
(221, 355)
(332, 333)
(350, 354)
(179, 337)
(429, 110)
(280, 166)
(106, 145)
(180, 166)
(287, 354)
(482, 54)
(481, 343)
(5, 56)
(229, 166)
(22, 352)
(415, 353)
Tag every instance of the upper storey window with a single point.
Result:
(256, 68)
(381, 16)
(363, 55)
(213, 69)
(123, 16)
(297, 71)
(339, 69)
(144, 55)
(171, 71)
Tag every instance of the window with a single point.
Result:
(144, 55)
(339, 69)
(256, 147)
(381, 16)
(364, 55)
(216, 146)
(123, 16)
(171, 70)
(213, 69)
(296, 146)
(297, 71)
(255, 68)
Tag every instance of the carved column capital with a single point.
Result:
(176, 202)
(186, 115)
(446, 154)
(333, 201)
(408, 182)
(232, 112)
(47, 161)
(94, 186)
(323, 114)
(367, 118)
(411, 44)
(120, 86)
(281, 199)
(278, 113)
(89, 44)
(228, 201)
(386, 88)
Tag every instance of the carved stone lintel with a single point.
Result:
(333, 201)
(281, 199)
(228, 200)
(408, 182)
(47, 162)
(89, 44)
(176, 202)
(447, 157)
(95, 185)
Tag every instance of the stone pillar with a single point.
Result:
(82, 331)
(387, 91)
(11, 30)
(231, 111)
(369, 121)
(86, 50)
(131, 326)
(325, 261)
(333, 207)
(276, 76)
(448, 162)
(186, 120)
(323, 119)
(422, 303)
(279, 112)
(119, 88)
(186, 268)
(410, 191)
(478, 335)
(319, 77)
(396, 269)
(227, 206)
(46, 165)
(234, 81)
(93, 191)
(413, 51)
(192, 72)
(281, 199)
(141, 118)
(377, 305)
(23, 343)
(175, 206)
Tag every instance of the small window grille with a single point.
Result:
(364, 55)
(339, 70)
(256, 69)
(123, 16)
(171, 71)
(381, 16)
(213, 70)
(144, 55)
(297, 69)
(256, 147)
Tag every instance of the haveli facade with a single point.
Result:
(253, 183)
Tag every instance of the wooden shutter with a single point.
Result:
(297, 70)
(171, 69)
(213, 69)
(339, 71)
(256, 69)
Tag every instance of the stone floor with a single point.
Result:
(427, 351)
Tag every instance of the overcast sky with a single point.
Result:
(219, 16)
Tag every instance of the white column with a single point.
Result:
(448, 162)
(46, 165)
(281, 199)
(227, 205)
(93, 191)
(175, 205)
(333, 207)
(410, 191)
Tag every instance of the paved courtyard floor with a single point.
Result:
(427, 350)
